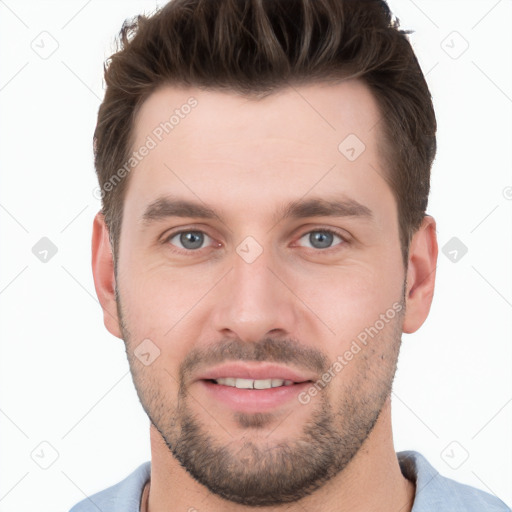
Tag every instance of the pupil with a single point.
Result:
(320, 239)
(191, 239)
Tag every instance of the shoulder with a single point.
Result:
(123, 497)
(436, 492)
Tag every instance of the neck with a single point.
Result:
(371, 481)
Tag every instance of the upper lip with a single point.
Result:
(256, 371)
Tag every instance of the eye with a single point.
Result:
(188, 240)
(321, 238)
(193, 240)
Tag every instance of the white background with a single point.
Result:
(64, 379)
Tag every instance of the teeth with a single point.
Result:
(253, 384)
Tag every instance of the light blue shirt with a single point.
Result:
(434, 493)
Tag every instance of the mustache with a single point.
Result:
(281, 350)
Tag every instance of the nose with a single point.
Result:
(254, 302)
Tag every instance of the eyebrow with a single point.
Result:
(165, 207)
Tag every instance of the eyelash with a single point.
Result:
(331, 231)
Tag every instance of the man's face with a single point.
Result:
(289, 295)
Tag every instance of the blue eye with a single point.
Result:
(321, 238)
(194, 240)
(189, 240)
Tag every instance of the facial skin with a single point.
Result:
(301, 303)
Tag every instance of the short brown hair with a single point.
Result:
(255, 47)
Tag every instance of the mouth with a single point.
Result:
(254, 387)
(240, 383)
(255, 375)
(246, 396)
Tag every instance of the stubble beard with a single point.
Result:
(271, 473)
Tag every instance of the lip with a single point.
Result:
(253, 400)
(256, 371)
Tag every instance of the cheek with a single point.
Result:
(163, 305)
(351, 298)
(157, 298)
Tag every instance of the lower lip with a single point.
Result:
(253, 400)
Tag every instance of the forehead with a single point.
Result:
(220, 144)
(309, 114)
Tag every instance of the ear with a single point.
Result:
(103, 272)
(421, 275)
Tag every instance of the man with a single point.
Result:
(264, 169)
